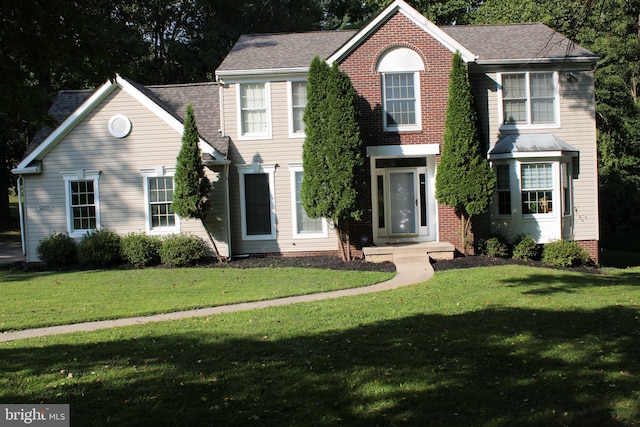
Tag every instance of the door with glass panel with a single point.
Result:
(403, 203)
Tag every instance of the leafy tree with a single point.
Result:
(464, 180)
(332, 151)
(192, 187)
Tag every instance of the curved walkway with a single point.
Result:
(410, 270)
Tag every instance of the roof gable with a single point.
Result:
(86, 101)
(400, 6)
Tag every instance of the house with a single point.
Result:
(534, 91)
(110, 163)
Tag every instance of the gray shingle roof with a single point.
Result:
(172, 98)
(206, 105)
(279, 51)
(515, 41)
(489, 42)
(65, 103)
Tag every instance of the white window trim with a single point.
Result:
(292, 133)
(81, 175)
(159, 171)
(251, 169)
(267, 93)
(529, 125)
(324, 233)
(555, 164)
(401, 60)
(416, 82)
(509, 166)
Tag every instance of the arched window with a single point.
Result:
(400, 71)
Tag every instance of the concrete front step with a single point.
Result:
(402, 252)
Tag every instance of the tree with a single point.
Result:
(192, 187)
(464, 180)
(332, 151)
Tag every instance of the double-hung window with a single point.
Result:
(303, 226)
(537, 188)
(400, 78)
(529, 98)
(83, 201)
(254, 114)
(158, 193)
(257, 202)
(297, 103)
(399, 99)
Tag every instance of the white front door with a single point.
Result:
(403, 203)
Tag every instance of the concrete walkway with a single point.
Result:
(10, 253)
(410, 270)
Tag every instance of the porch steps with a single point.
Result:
(410, 252)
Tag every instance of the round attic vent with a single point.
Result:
(119, 126)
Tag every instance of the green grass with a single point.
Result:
(499, 346)
(37, 299)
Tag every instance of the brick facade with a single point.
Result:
(361, 65)
(593, 248)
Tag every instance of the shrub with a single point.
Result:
(57, 251)
(139, 249)
(179, 250)
(526, 249)
(495, 247)
(564, 253)
(100, 248)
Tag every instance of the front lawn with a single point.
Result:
(496, 346)
(37, 299)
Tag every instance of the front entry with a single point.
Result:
(404, 206)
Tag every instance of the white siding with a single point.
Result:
(577, 127)
(281, 150)
(89, 146)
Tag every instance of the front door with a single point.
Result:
(403, 203)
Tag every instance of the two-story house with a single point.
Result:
(534, 91)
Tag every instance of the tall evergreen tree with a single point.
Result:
(464, 180)
(332, 151)
(192, 187)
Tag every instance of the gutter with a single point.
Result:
(521, 61)
(28, 170)
(220, 75)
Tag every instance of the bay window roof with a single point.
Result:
(532, 145)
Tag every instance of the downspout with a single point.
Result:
(227, 208)
(21, 214)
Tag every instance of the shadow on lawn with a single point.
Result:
(500, 367)
(545, 282)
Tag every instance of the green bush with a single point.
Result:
(495, 247)
(139, 249)
(57, 251)
(564, 253)
(526, 249)
(100, 248)
(179, 250)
